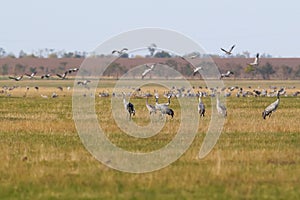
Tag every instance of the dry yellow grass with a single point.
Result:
(43, 157)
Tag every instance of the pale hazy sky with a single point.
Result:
(265, 26)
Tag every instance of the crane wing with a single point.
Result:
(231, 48)
(224, 50)
(272, 107)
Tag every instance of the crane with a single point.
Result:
(201, 106)
(120, 52)
(256, 61)
(228, 52)
(129, 107)
(227, 74)
(221, 107)
(148, 70)
(272, 107)
(151, 108)
(17, 78)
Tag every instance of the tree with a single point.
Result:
(2, 52)
(187, 70)
(172, 63)
(286, 71)
(114, 69)
(246, 54)
(5, 69)
(32, 69)
(22, 54)
(124, 55)
(152, 49)
(41, 68)
(68, 55)
(297, 74)
(63, 65)
(266, 70)
(78, 54)
(19, 69)
(162, 54)
(237, 68)
(250, 70)
(52, 55)
(11, 55)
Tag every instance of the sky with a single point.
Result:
(264, 26)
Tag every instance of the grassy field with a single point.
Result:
(42, 156)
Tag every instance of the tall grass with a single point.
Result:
(43, 158)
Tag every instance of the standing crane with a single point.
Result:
(221, 107)
(129, 107)
(164, 107)
(272, 107)
(160, 106)
(151, 108)
(201, 106)
(168, 111)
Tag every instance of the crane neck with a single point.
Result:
(200, 99)
(278, 95)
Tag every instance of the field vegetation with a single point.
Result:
(42, 156)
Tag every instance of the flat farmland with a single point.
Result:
(42, 156)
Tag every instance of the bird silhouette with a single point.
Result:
(17, 78)
(31, 75)
(256, 61)
(63, 76)
(228, 52)
(120, 52)
(148, 70)
(45, 76)
(227, 74)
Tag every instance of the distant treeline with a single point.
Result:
(269, 68)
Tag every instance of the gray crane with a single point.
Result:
(272, 107)
(160, 106)
(129, 107)
(168, 111)
(151, 108)
(221, 107)
(164, 107)
(201, 106)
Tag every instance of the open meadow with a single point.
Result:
(42, 156)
